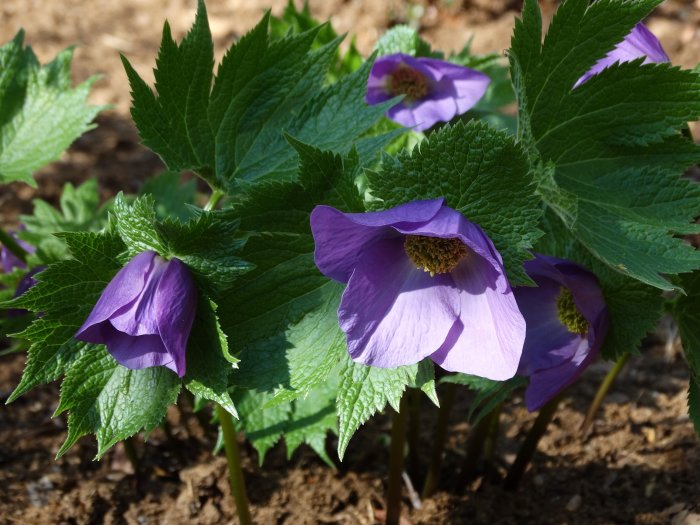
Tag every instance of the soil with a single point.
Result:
(639, 465)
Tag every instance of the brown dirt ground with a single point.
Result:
(639, 466)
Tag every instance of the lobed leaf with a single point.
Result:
(614, 143)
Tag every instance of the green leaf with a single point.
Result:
(312, 418)
(365, 390)
(172, 198)
(112, 401)
(282, 314)
(209, 363)
(65, 293)
(80, 210)
(294, 21)
(304, 420)
(262, 426)
(40, 113)
(614, 142)
(483, 173)
(230, 130)
(686, 312)
(136, 224)
(208, 243)
(404, 39)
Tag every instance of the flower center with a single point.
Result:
(409, 82)
(434, 254)
(568, 313)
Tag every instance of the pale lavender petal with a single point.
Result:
(392, 313)
(640, 43)
(431, 111)
(121, 291)
(451, 90)
(175, 305)
(404, 115)
(490, 340)
(340, 237)
(450, 223)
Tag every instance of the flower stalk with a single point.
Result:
(602, 392)
(527, 449)
(131, 454)
(439, 439)
(235, 473)
(396, 455)
(414, 413)
(475, 447)
(13, 246)
(216, 196)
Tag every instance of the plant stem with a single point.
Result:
(8, 242)
(214, 199)
(131, 454)
(603, 390)
(527, 449)
(475, 446)
(235, 473)
(414, 410)
(396, 453)
(440, 436)
(492, 433)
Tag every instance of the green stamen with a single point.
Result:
(434, 254)
(569, 314)
(409, 82)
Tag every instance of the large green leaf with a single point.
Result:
(40, 113)
(365, 390)
(614, 142)
(482, 173)
(229, 128)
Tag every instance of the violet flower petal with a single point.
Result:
(175, 305)
(394, 314)
(639, 43)
(551, 359)
(119, 294)
(8, 260)
(451, 90)
(145, 314)
(337, 259)
(491, 330)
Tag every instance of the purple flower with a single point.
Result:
(25, 283)
(640, 43)
(567, 321)
(145, 314)
(8, 260)
(435, 91)
(422, 281)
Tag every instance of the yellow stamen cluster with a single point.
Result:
(569, 314)
(433, 254)
(409, 82)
